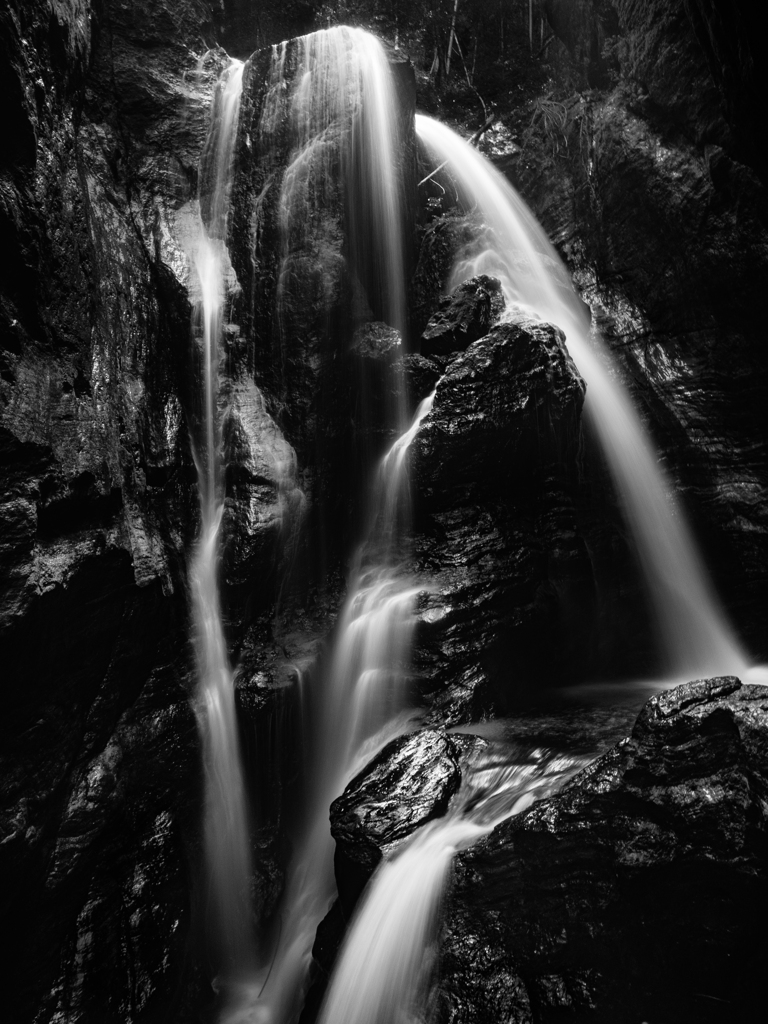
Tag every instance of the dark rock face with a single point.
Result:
(441, 239)
(636, 891)
(463, 317)
(496, 544)
(97, 504)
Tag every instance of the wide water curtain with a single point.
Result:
(226, 829)
(341, 104)
(695, 637)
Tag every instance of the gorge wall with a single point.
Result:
(650, 177)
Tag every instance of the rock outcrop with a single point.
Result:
(493, 469)
(637, 891)
(463, 316)
(647, 167)
(108, 107)
(408, 784)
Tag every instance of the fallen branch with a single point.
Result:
(432, 174)
(483, 128)
(544, 46)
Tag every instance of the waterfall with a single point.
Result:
(695, 636)
(226, 831)
(386, 962)
(334, 95)
(357, 708)
(340, 106)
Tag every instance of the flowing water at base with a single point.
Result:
(387, 962)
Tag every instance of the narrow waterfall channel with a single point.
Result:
(226, 827)
(358, 706)
(695, 636)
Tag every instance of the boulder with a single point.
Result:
(463, 316)
(507, 405)
(421, 375)
(410, 782)
(638, 891)
(505, 571)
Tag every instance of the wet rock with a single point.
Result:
(374, 388)
(421, 375)
(407, 784)
(443, 238)
(507, 405)
(463, 316)
(264, 506)
(98, 500)
(494, 469)
(377, 342)
(590, 903)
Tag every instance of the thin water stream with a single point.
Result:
(226, 829)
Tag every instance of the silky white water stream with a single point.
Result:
(336, 93)
(696, 638)
(359, 705)
(227, 851)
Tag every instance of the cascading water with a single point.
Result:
(384, 967)
(340, 106)
(226, 830)
(695, 635)
(358, 707)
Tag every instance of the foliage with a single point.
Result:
(452, 41)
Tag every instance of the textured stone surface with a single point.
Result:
(462, 317)
(407, 784)
(636, 890)
(97, 503)
(496, 545)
